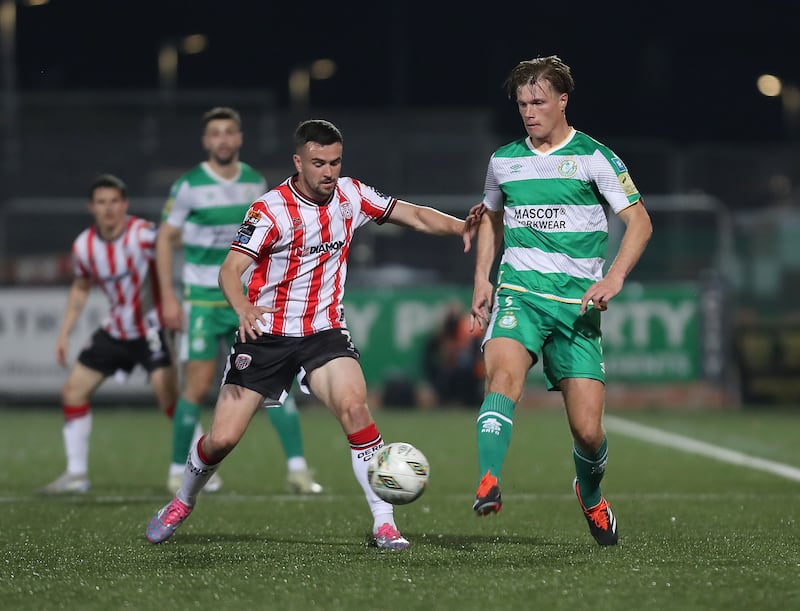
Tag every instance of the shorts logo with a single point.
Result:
(242, 361)
(507, 321)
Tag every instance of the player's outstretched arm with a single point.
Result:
(432, 221)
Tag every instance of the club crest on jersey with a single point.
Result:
(567, 168)
(242, 361)
(347, 209)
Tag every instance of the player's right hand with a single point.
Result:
(482, 299)
(173, 315)
(249, 319)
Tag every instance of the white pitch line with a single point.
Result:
(687, 444)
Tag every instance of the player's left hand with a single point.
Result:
(471, 224)
(600, 293)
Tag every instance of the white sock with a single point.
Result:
(382, 512)
(195, 476)
(76, 434)
(296, 463)
(198, 433)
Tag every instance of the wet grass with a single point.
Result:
(696, 533)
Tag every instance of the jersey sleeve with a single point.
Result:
(492, 195)
(178, 206)
(146, 233)
(257, 233)
(80, 267)
(374, 205)
(613, 180)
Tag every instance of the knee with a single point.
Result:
(589, 438)
(196, 392)
(504, 383)
(71, 394)
(217, 446)
(354, 415)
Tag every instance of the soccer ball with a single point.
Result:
(398, 473)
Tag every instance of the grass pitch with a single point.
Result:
(695, 532)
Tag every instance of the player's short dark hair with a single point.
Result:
(109, 181)
(222, 112)
(316, 130)
(549, 68)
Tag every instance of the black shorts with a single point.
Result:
(269, 363)
(108, 355)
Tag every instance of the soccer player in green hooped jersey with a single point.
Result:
(545, 198)
(206, 206)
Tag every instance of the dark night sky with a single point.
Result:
(685, 74)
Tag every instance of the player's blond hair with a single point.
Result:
(550, 69)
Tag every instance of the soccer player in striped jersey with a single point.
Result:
(293, 248)
(546, 197)
(117, 254)
(204, 210)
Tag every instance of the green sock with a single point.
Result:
(186, 417)
(590, 467)
(286, 420)
(494, 433)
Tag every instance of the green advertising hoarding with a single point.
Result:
(651, 334)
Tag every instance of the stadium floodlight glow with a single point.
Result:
(194, 44)
(300, 80)
(322, 69)
(769, 85)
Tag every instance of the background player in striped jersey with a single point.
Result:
(546, 198)
(293, 247)
(204, 210)
(117, 254)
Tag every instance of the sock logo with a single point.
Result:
(492, 426)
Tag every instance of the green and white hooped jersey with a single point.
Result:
(556, 228)
(209, 211)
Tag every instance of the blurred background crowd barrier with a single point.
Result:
(709, 317)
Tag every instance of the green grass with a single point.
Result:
(696, 533)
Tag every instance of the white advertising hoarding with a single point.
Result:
(29, 323)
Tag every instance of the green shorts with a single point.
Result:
(570, 344)
(207, 326)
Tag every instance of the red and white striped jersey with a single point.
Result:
(125, 271)
(300, 250)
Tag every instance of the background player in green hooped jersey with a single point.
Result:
(204, 211)
(546, 198)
